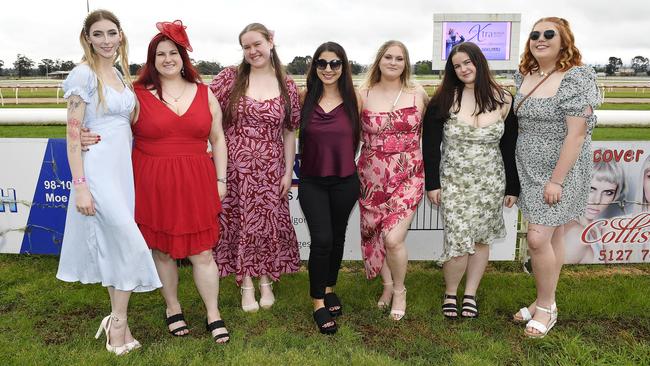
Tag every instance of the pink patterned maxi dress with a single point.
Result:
(257, 235)
(392, 178)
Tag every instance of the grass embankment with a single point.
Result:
(600, 133)
(603, 319)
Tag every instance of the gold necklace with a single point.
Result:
(542, 73)
(179, 97)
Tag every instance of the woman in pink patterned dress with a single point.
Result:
(390, 169)
(261, 112)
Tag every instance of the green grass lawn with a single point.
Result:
(628, 94)
(603, 320)
(9, 93)
(600, 133)
(9, 104)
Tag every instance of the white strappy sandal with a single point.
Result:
(543, 329)
(381, 304)
(524, 314)
(398, 314)
(266, 303)
(252, 307)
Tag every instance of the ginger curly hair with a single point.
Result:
(569, 55)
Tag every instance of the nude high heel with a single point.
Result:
(105, 326)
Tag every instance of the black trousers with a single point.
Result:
(326, 203)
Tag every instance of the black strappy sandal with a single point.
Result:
(333, 301)
(468, 307)
(321, 317)
(449, 307)
(177, 318)
(216, 325)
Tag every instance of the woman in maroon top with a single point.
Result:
(329, 186)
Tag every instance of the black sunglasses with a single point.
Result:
(334, 64)
(548, 34)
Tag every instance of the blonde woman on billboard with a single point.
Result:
(470, 115)
(101, 242)
(555, 102)
(390, 169)
(607, 187)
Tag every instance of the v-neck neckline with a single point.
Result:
(196, 93)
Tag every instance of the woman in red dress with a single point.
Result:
(261, 112)
(176, 197)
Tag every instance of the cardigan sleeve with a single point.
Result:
(432, 131)
(508, 145)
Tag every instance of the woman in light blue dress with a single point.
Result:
(101, 242)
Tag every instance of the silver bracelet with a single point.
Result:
(222, 180)
(559, 184)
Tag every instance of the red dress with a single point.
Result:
(176, 200)
(258, 236)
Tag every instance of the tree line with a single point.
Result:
(24, 66)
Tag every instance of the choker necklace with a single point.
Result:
(179, 97)
(542, 73)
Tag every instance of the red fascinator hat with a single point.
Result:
(176, 32)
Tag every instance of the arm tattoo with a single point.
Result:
(74, 127)
(73, 103)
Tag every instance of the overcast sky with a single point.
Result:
(49, 29)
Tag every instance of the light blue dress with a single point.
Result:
(108, 247)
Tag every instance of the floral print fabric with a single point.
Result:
(257, 235)
(473, 182)
(392, 178)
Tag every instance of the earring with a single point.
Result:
(183, 71)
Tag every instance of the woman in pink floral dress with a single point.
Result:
(261, 112)
(390, 169)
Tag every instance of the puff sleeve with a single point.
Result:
(578, 92)
(222, 84)
(81, 82)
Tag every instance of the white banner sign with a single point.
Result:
(35, 185)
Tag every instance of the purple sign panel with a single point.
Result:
(492, 37)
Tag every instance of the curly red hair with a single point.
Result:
(569, 55)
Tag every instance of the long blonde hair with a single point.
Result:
(373, 76)
(89, 53)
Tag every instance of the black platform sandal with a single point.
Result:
(322, 316)
(176, 332)
(333, 301)
(448, 308)
(469, 308)
(216, 325)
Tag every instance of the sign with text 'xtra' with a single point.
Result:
(36, 182)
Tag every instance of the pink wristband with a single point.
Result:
(79, 181)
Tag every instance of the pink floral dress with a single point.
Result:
(392, 178)
(257, 235)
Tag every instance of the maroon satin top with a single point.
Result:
(328, 148)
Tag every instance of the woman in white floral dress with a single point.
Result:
(555, 102)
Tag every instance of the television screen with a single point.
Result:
(492, 37)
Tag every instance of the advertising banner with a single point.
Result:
(36, 183)
(615, 227)
(492, 37)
